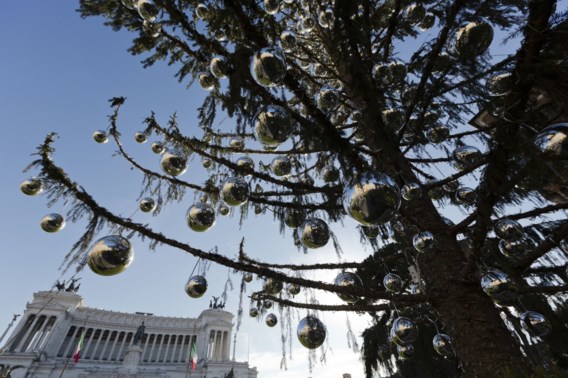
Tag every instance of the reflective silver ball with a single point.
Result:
(497, 285)
(219, 67)
(351, 280)
(414, 13)
(207, 81)
(393, 118)
(442, 344)
(147, 10)
(326, 18)
(535, 323)
(281, 166)
(245, 164)
(100, 136)
(196, 286)
(52, 222)
(294, 218)
(392, 282)
(207, 163)
(140, 137)
(110, 255)
(224, 209)
(157, 148)
(403, 331)
(31, 187)
(311, 332)
(423, 241)
(411, 191)
(253, 312)
(267, 304)
(288, 41)
(268, 67)
(272, 286)
(473, 39)
(271, 320)
(465, 196)
(552, 142)
(293, 289)
(314, 233)
(237, 143)
(202, 11)
(515, 249)
(200, 217)
(327, 98)
(427, 22)
(235, 191)
(509, 230)
(405, 352)
(330, 174)
(466, 156)
(272, 125)
(147, 204)
(271, 6)
(438, 133)
(372, 199)
(173, 162)
(500, 85)
(248, 277)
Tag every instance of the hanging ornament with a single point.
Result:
(515, 249)
(350, 280)
(438, 133)
(392, 282)
(465, 196)
(552, 142)
(293, 289)
(329, 174)
(423, 241)
(248, 277)
(403, 331)
(31, 187)
(466, 156)
(272, 286)
(267, 304)
(237, 143)
(272, 125)
(52, 222)
(100, 136)
(207, 163)
(147, 204)
(288, 41)
(427, 22)
(535, 323)
(196, 286)
(308, 23)
(271, 6)
(271, 320)
(311, 332)
(157, 148)
(152, 29)
(414, 13)
(405, 352)
(411, 191)
(130, 4)
(200, 217)
(268, 67)
(202, 11)
(140, 137)
(219, 67)
(473, 39)
(253, 312)
(328, 98)
(314, 233)
(497, 285)
(371, 199)
(110, 255)
(148, 10)
(436, 192)
(245, 165)
(294, 218)
(173, 162)
(206, 81)
(326, 18)
(451, 186)
(234, 191)
(281, 166)
(224, 209)
(500, 85)
(509, 230)
(442, 344)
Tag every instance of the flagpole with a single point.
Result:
(68, 358)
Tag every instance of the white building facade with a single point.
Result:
(47, 335)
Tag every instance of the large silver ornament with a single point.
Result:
(147, 204)
(288, 41)
(207, 81)
(294, 218)
(466, 156)
(271, 6)
(515, 249)
(200, 217)
(219, 67)
(405, 352)
(224, 209)
(414, 13)
(314, 233)
(31, 187)
(403, 331)
(311, 332)
(465, 196)
(473, 39)
(253, 312)
(281, 166)
(245, 164)
(267, 304)
(552, 142)
(157, 148)
(500, 85)
(328, 98)
(234, 191)
(535, 323)
(100, 136)
(173, 162)
(272, 125)
(140, 137)
(350, 280)
(411, 191)
(271, 320)
(147, 10)
(110, 255)
(272, 286)
(509, 230)
(293, 289)
(268, 66)
(427, 22)
(202, 11)
(497, 285)
(438, 133)
(372, 199)
(52, 222)
(423, 241)
(442, 344)
(196, 286)
(392, 282)
(248, 277)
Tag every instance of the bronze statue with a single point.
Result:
(140, 332)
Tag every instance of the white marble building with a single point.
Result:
(44, 340)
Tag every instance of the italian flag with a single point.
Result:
(77, 353)
(193, 356)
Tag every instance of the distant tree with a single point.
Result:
(343, 109)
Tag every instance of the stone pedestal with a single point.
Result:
(131, 360)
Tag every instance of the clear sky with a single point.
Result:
(56, 73)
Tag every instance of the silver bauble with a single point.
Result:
(140, 137)
(219, 67)
(245, 164)
(427, 22)
(326, 18)
(473, 39)
(436, 192)
(466, 156)
(350, 280)
(311, 332)
(405, 352)
(411, 191)
(509, 230)
(268, 67)
(293, 289)
(423, 241)
(173, 162)
(200, 217)
(328, 98)
(248, 277)
(451, 186)
(224, 209)
(31, 187)
(110, 255)
(414, 13)
(288, 41)
(442, 344)
(130, 4)
(281, 166)
(497, 285)
(314, 233)
(271, 6)
(196, 286)
(157, 148)
(465, 196)
(535, 323)
(152, 29)
(202, 11)
(100, 136)
(308, 23)
(272, 286)
(271, 320)
(372, 199)
(237, 143)
(403, 331)
(438, 133)
(253, 312)
(515, 249)
(392, 282)
(234, 191)
(329, 174)
(500, 85)
(52, 222)
(147, 204)
(207, 163)
(267, 304)
(272, 125)
(206, 81)
(294, 218)
(147, 10)
(552, 142)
